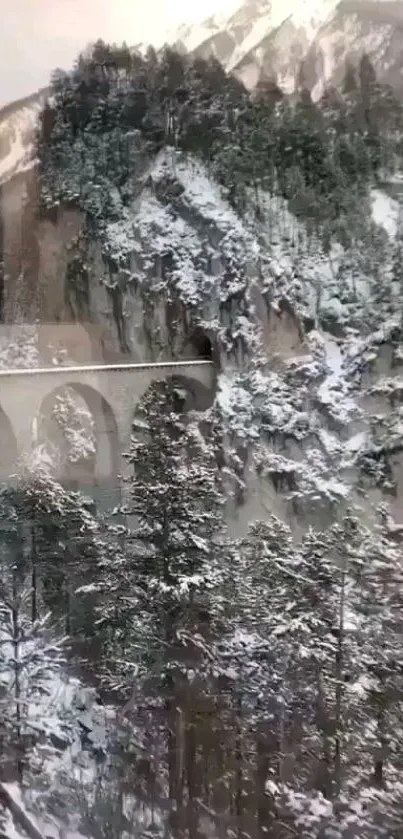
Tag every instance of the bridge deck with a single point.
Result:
(103, 368)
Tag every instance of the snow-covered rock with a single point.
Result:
(385, 211)
(191, 262)
(273, 39)
(18, 123)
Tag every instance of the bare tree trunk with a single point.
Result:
(323, 723)
(16, 666)
(339, 681)
(239, 760)
(381, 751)
(171, 748)
(190, 758)
(267, 747)
(33, 574)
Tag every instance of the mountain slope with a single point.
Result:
(308, 42)
(356, 28)
(289, 266)
(18, 122)
(141, 238)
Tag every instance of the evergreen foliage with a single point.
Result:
(160, 586)
(115, 108)
(261, 680)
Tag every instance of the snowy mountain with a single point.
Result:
(311, 389)
(287, 267)
(308, 43)
(305, 43)
(18, 122)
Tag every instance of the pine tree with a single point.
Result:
(29, 659)
(379, 606)
(29, 663)
(397, 261)
(56, 537)
(161, 582)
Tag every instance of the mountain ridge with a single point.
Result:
(308, 46)
(18, 122)
(270, 40)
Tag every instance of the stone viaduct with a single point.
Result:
(111, 391)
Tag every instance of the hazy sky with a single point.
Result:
(38, 35)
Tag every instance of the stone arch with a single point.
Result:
(8, 446)
(102, 466)
(192, 394)
(196, 397)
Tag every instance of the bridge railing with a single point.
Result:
(63, 369)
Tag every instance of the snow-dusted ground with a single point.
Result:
(311, 399)
(334, 391)
(152, 223)
(297, 265)
(47, 827)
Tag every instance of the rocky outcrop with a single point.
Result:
(18, 122)
(182, 275)
(305, 44)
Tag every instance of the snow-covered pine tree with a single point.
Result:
(29, 664)
(176, 539)
(363, 689)
(159, 604)
(29, 659)
(57, 539)
(292, 655)
(288, 595)
(378, 606)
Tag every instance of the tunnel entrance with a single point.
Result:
(201, 345)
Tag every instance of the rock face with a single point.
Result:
(217, 308)
(309, 358)
(17, 126)
(305, 43)
(312, 418)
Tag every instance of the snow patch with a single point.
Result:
(385, 211)
(17, 132)
(333, 392)
(236, 404)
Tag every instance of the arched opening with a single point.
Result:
(78, 428)
(198, 345)
(155, 432)
(190, 394)
(182, 393)
(8, 447)
(201, 344)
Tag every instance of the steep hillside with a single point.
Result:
(356, 28)
(158, 248)
(241, 610)
(18, 123)
(303, 43)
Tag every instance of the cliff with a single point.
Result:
(298, 402)
(158, 211)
